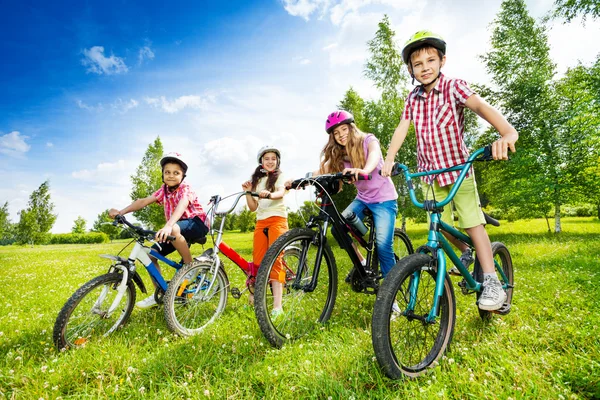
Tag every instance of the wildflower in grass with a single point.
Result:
(142, 389)
(44, 368)
(206, 392)
(55, 388)
(12, 371)
(18, 358)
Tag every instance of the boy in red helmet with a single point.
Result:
(184, 214)
(436, 108)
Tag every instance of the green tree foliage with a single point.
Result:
(536, 181)
(6, 227)
(147, 179)
(570, 9)
(298, 219)
(79, 225)
(37, 220)
(104, 224)
(246, 220)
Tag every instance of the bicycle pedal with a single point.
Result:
(235, 293)
(505, 309)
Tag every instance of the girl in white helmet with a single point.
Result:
(183, 213)
(271, 215)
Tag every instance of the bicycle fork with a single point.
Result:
(120, 292)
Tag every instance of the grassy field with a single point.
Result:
(547, 347)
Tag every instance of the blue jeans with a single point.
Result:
(384, 217)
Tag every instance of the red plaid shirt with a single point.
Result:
(171, 199)
(439, 125)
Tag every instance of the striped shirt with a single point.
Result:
(170, 200)
(439, 124)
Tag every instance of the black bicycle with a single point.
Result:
(309, 298)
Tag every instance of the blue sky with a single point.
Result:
(87, 86)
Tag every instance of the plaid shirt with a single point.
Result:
(439, 125)
(171, 199)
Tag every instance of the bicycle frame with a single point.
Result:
(436, 242)
(340, 231)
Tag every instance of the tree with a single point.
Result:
(79, 225)
(147, 179)
(37, 220)
(570, 9)
(299, 218)
(104, 224)
(536, 180)
(246, 220)
(6, 227)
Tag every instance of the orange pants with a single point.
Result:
(276, 226)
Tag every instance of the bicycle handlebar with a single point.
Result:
(326, 179)
(216, 200)
(482, 154)
(148, 234)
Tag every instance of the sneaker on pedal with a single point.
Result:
(493, 296)
(148, 302)
(395, 311)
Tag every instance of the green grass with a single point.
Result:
(547, 347)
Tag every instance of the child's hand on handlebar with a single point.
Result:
(264, 194)
(113, 212)
(247, 186)
(161, 235)
(500, 147)
(388, 166)
(355, 171)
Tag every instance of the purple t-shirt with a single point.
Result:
(378, 189)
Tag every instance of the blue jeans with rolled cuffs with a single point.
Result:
(384, 217)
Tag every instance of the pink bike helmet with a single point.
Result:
(337, 118)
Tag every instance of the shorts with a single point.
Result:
(466, 203)
(191, 229)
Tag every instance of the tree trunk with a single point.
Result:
(598, 210)
(557, 227)
(547, 223)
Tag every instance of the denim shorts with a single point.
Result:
(191, 229)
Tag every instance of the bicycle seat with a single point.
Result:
(201, 240)
(490, 220)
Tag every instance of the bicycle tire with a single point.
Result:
(502, 257)
(188, 307)
(302, 311)
(402, 244)
(406, 346)
(68, 333)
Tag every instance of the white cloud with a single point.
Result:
(304, 8)
(106, 172)
(99, 64)
(13, 144)
(84, 106)
(145, 53)
(49, 144)
(180, 103)
(122, 106)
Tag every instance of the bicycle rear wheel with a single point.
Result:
(402, 244)
(404, 342)
(503, 260)
(84, 317)
(303, 309)
(195, 297)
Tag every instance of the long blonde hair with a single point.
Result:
(333, 154)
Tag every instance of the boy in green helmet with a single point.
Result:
(436, 108)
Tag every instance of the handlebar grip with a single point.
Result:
(362, 177)
(296, 183)
(171, 238)
(487, 154)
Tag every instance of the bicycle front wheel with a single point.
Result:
(85, 316)
(195, 297)
(302, 307)
(405, 343)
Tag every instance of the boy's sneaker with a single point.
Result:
(148, 302)
(493, 296)
(395, 311)
(466, 258)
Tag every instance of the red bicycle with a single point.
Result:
(197, 294)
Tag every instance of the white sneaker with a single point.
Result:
(493, 296)
(395, 311)
(148, 302)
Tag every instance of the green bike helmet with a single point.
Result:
(422, 39)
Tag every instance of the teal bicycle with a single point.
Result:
(415, 310)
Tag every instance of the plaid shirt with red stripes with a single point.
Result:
(439, 125)
(171, 199)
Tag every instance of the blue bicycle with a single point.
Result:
(415, 310)
(105, 303)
